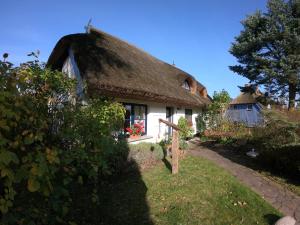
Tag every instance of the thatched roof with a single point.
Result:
(115, 68)
(245, 98)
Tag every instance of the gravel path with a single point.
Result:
(280, 198)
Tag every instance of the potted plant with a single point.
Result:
(136, 130)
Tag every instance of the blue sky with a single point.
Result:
(195, 34)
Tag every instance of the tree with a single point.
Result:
(213, 115)
(268, 49)
(220, 101)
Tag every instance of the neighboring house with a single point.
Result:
(149, 88)
(246, 109)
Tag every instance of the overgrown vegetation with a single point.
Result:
(212, 123)
(277, 139)
(52, 149)
(212, 116)
(279, 142)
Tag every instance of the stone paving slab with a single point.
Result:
(279, 197)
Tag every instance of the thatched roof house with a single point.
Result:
(246, 98)
(112, 67)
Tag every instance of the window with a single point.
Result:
(235, 107)
(249, 107)
(135, 114)
(186, 85)
(189, 116)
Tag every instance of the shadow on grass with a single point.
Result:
(271, 218)
(123, 200)
(121, 197)
(167, 164)
(165, 160)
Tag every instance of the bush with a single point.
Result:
(52, 149)
(185, 130)
(145, 154)
(283, 160)
(277, 131)
(201, 122)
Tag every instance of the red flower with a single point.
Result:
(129, 130)
(136, 129)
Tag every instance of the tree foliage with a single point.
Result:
(220, 102)
(50, 145)
(213, 115)
(268, 48)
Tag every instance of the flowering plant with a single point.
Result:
(136, 129)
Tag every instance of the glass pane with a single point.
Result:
(139, 112)
(188, 116)
(128, 112)
(126, 125)
(186, 85)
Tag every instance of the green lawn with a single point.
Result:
(201, 193)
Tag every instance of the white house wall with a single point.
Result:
(71, 69)
(156, 111)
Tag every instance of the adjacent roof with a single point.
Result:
(115, 68)
(245, 98)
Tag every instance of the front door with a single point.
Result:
(169, 117)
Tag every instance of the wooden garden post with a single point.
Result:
(175, 148)
(175, 145)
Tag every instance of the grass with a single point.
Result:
(202, 193)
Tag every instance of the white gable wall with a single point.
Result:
(71, 69)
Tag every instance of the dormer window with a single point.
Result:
(186, 85)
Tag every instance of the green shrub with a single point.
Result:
(185, 130)
(201, 123)
(52, 149)
(279, 143)
(283, 160)
(182, 144)
(277, 131)
(145, 153)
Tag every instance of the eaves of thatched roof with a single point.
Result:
(113, 67)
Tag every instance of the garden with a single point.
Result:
(276, 141)
(62, 162)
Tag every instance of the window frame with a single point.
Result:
(249, 109)
(132, 115)
(186, 85)
(187, 114)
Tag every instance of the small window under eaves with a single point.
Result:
(186, 85)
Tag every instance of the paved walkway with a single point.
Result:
(280, 198)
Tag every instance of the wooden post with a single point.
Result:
(175, 149)
(175, 145)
